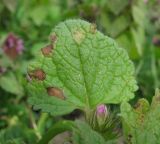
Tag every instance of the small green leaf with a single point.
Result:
(10, 84)
(127, 41)
(81, 68)
(116, 6)
(139, 39)
(38, 15)
(10, 4)
(83, 134)
(115, 25)
(17, 134)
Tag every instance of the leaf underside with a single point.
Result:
(87, 66)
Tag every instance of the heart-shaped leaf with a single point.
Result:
(80, 68)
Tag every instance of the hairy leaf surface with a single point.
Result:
(86, 66)
(141, 124)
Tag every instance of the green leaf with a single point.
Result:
(45, 14)
(10, 4)
(10, 84)
(126, 41)
(86, 66)
(116, 6)
(38, 15)
(139, 39)
(115, 25)
(36, 47)
(41, 100)
(54, 13)
(141, 124)
(17, 134)
(83, 134)
(56, 129)
(139, 13)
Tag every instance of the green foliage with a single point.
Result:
(42, 14)
(141, 124)
(17, 134)
(83, 134)
(115, 25)
(135, 26)
(40, 99)
(116, 6)
(87, 66)
(10, 84)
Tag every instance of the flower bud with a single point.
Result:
(101, 110)
(13, 46)
(101, 113)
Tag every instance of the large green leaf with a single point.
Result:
(83, 68)
(141, 124)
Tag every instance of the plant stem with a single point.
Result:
(41, 122)
(89, 116)
(33, 123)
(138, 68)
(59, 127)
(153, 67)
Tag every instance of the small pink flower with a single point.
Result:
(101, 110)
(101, 114)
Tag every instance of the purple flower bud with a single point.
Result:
(101, 110)
(13, 46)
(101, 113)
